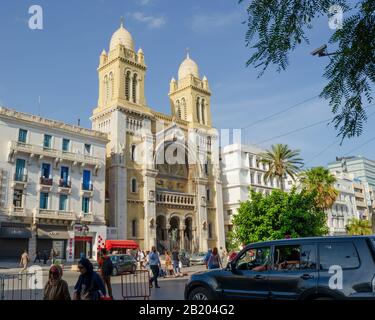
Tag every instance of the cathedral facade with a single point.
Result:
(163, 184)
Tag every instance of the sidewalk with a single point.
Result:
(12, 267)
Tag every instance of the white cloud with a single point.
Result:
(206, 22)
(144, 2)
(151, 21)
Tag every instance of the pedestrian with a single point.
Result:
(224, 256)
(214, 262)
(168, 264)
(56, 288)
(90, 285)
(147, 261)
(176, 262)
(45, 257)
(37, 256)
(25, 259)
(207, 257)
(154, 262)
(140, 258)
(52, 256)
(106, 270)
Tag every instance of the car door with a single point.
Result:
(294, 271)
(248, 277)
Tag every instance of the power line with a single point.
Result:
(279, 112)
(306, 127)
(360, 146)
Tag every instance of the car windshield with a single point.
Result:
(114, 258)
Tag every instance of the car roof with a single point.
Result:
(309, 239)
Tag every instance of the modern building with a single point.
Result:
(52, 191)
(163, 176)
(241, 170)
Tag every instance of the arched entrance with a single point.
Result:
(161, 234)
(188, 234)
(174, 234)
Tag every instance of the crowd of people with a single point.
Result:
(93, 285)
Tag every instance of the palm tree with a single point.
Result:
(281, 161)
(321, 181)
(358, 227)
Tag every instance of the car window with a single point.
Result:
(342, 254)
(308, 257)
(113, 258)
(255, 259)
(287, 258)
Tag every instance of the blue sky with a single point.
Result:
(59, 64)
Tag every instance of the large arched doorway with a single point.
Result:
(161, 236)
(188, 234)
(174, 234)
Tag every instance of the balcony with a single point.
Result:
(175, 199)
(31, 149)
(87, 189)
(45, 184)
(19, 180)
(87, 217)
(54, 214)
(64, 186)
(18, 211)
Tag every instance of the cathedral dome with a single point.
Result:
(188, 66)
(122, 36)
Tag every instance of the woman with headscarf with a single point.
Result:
(56, 288)
(90, 285)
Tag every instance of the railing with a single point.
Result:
(20, 177)
(53, 214)
(23, 286)
(87, 186)
(64, 155)
(64, 184)
(175, 198)
(46, 181)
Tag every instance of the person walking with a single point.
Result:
(56, 288)
(106, 270)
(37, 256)
(90, 285)
(25, 259)
(207, 257)
(45, 257)
(214, 262)
(52, 256)
(176, 262)
(155, 264)
(140, 258)
(168, 264)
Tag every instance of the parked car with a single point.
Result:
(123, 263)
(321, 268)
(197, 258)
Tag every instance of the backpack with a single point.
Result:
(107, 267)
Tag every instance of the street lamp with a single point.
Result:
(322, 52)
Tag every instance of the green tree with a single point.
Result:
(276, 28)
(321, 182)
(358, 227)
(281, 161)
(274, 216)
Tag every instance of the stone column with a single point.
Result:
(202, 219)
(32, 245)
(182, 238)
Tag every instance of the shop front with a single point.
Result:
(52, 237)
(14, 239)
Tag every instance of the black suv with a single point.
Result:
(306, 268)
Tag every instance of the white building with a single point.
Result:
(241, 170)
(52, 187)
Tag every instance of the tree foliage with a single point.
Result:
(281, 161)
(277, 27)
(321, 182)
(280, 214)
(358, 227)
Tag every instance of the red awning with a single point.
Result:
(121, 244)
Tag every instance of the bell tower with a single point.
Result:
(190, 95)
(121, 73)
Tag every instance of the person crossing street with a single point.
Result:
(154, 262)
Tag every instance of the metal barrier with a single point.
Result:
(22, 286)
(136, 285)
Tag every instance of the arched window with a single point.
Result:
(110, 89)
(127, 85)
(203, 107)
(133, 152)
(198, 110)
(178, 109)
(134, 88)
(134, 228)
(106, 89)
(183, 106)
(134, 185)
